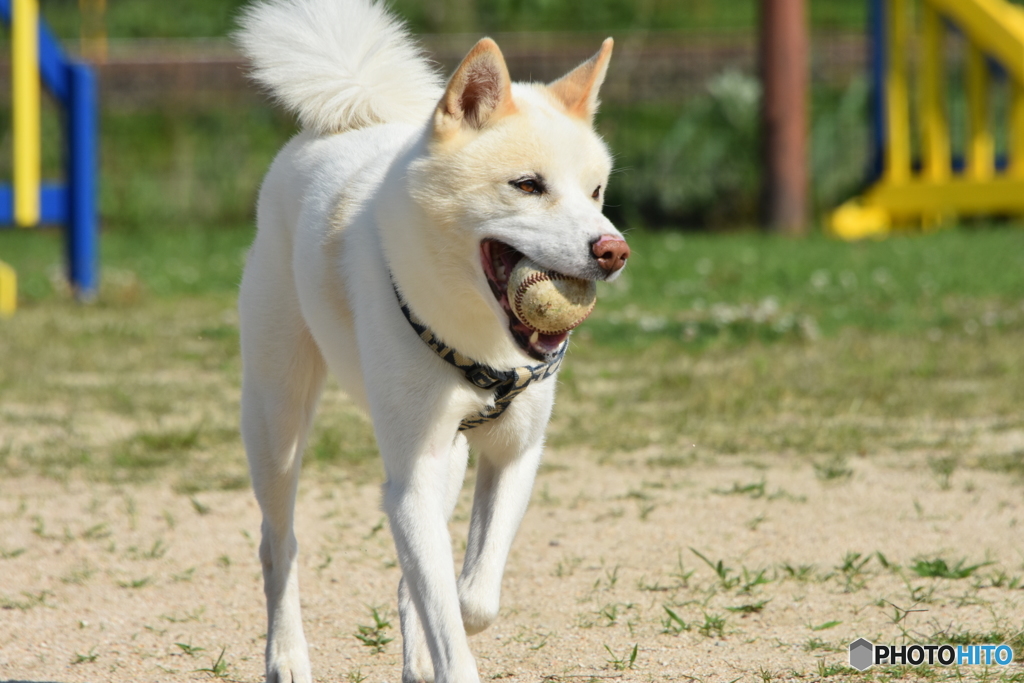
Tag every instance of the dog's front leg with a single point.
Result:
(503, 487)
(418, 498)
(417, 666)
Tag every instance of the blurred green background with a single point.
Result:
(191, 18)
(680, 107)
(685, 144)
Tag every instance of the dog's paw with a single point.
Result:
(289, 674)
(477, 614)
(416, 677)
(288, 666)
(417, 667)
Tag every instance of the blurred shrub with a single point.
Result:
(697, 164)
(706, 171)
(167, 169)
(840, 138)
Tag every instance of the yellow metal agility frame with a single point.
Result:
(933, 192)
(27, 136)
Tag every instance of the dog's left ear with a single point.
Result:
(577, 90)
(479, 91)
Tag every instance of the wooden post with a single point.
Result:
(784, 74)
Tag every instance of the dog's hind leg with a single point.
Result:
(283, 374)
(417, 666)
(503, 487)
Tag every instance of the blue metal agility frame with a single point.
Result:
(876, 76)
(72, 203)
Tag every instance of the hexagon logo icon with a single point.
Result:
(861, 654)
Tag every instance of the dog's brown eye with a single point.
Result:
(529, 185)
(597, 193)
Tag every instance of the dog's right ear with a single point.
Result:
(479, 91)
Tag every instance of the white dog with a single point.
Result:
(386, 233)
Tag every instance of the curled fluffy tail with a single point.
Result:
(339, 64)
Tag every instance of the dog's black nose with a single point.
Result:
(611, 253)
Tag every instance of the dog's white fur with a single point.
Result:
(398, 177)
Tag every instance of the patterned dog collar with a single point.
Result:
(507, 384)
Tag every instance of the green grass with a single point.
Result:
(626, 661)
(691, 289)
(375, 637)
(750, 287)
(690, 350)
(673, 624)
(219, 667)
(939, 569)
(137, 267)
(713, 626)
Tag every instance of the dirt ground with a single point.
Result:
(139, 583)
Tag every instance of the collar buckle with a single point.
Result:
(479, 377)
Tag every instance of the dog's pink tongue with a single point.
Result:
(549, 343)
(545, 343)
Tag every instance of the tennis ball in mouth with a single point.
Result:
(548, 301)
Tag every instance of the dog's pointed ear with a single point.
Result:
(478, 92)
(577, 90)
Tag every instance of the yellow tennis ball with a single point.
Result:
(547, 301)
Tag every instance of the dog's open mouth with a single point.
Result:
(498, 261)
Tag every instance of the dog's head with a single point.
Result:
(517, 170)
